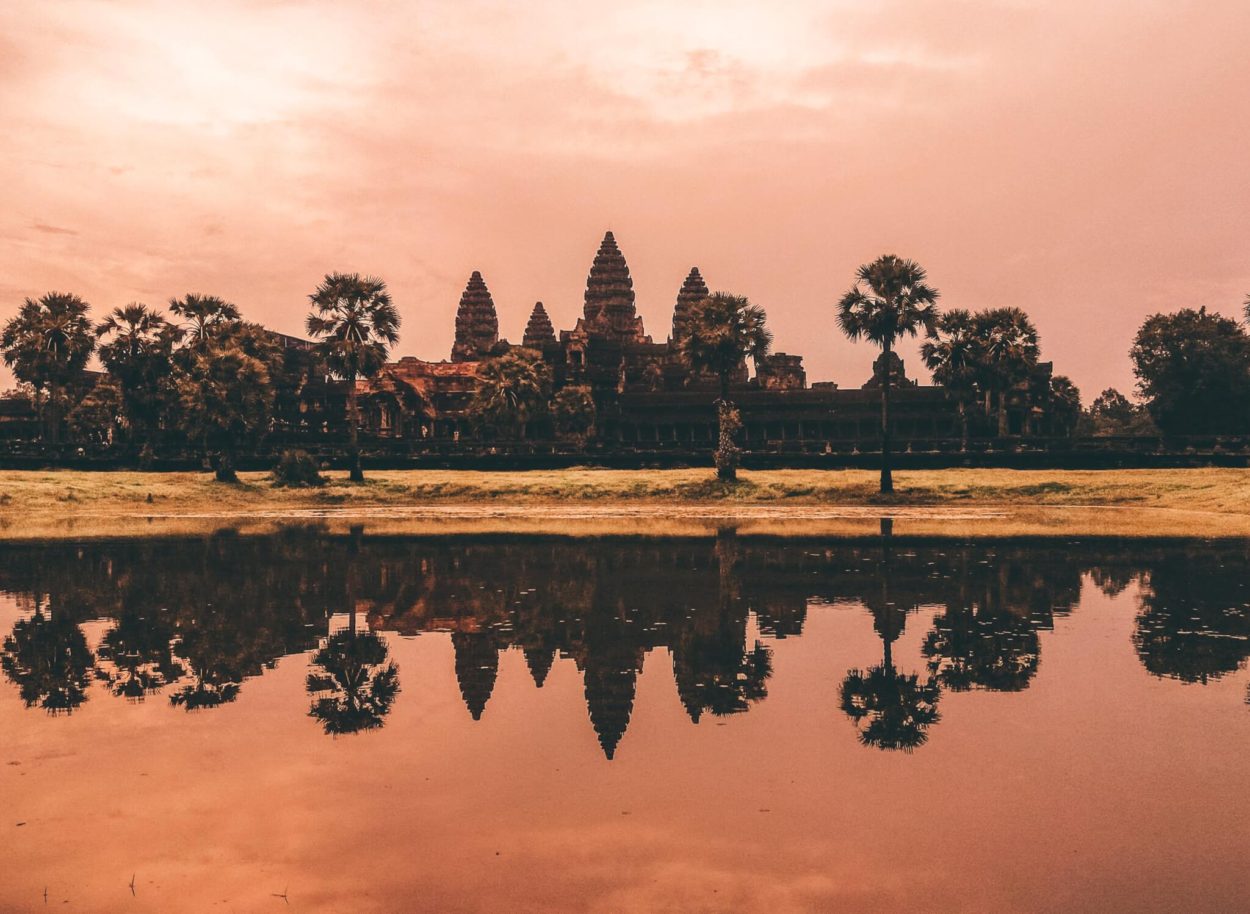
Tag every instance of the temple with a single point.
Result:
(646, 398)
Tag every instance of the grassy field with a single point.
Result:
(1201, 502)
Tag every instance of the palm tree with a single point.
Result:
(205, 317)
(721, 332)
(953, 358)
(895, 303)
(1009, 350)
(356, 686)
(47, 345)
(512, 392)
(138, 354)
(356, 321)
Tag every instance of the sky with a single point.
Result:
(1088, 162)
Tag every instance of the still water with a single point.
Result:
(309, 722)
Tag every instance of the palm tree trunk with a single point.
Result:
(353, 432)
(887, 478)
(1002, 414)
(963, 425)
(726, 470)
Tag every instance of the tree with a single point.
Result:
(1112, 413)
(138, 354)
(573, 411)
(512, 392)
(356, 684)
(1193, 371)
(953, 358)
(889, 300)
(48, 659)
(355, 320)
(95, 419)
(206, 318)
(47, 345)
(1065, 405)
(225, 399)
(1009, 351)
(721, 332)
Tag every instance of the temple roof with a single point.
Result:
(477, 324)
(693, 290)
(539, 329)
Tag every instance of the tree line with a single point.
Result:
(208, 374)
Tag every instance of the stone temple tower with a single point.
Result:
(609, 305)
(539, 330)
(477, 324)
(693, 290)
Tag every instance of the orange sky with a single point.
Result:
(1085, 161)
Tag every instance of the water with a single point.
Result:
(553, 724)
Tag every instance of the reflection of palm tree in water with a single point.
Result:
(137, 655)
(354, 685)
(47, 658)
(891, 710)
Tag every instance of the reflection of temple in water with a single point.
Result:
(193, 620)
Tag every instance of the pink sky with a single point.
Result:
(1089, 162)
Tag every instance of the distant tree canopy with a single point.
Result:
(225, 399)
(1112, 413)
(1193, 371)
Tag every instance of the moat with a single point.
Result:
(729, 723)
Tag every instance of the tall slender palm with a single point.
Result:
(1009, 351)
(204, 317)
(889, 300)
(47, 345)
(722, 331)
(953, 358)
(136, 348)
(355, 320)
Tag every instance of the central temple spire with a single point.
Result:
(609, 305)
(477, 324)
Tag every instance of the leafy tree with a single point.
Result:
(1008, 353)
(1065, 404)
(722, 331)
(1112, 413)
(888, 301)
(977, 646)
(139, 355)
(1193, 371)
(48, 659)
(47, 345)
(512, 392)
(95, 419)
(225, 399)
(356, 322)
(1112, 408)
(953, 356)
(573, 410)
(137, 656)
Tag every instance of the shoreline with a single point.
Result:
(965, 503)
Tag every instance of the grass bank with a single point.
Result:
(1193, 502)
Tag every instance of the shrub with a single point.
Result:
(297, 469)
